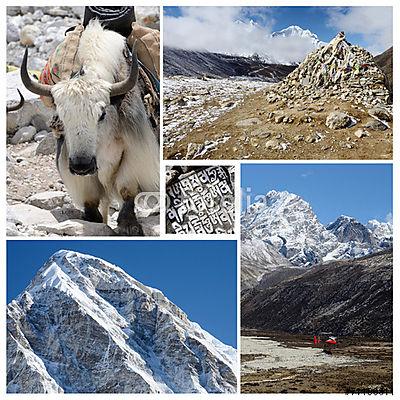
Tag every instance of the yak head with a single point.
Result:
(84, 106)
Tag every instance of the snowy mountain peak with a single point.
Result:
(82, 319)
(348, 229)
(296, 31)
(288, 223)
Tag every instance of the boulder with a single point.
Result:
(28, 35)
(40, 136)
(27, 214)
(338, 120)
(76, 227)
(25, 134)
(272, 144)
(381, 113)
(360, 133)
(12, 31)
(13, 11)
(33, 106)
(248, 122)
(375, 125)
(39, 121)
(47, 145)
(47, 200)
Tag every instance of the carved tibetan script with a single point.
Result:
(202, 201)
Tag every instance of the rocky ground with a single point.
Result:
(259, 130)
(190, 103)
(38, 202)
(290, 364)
(43, 28)
(335, 105)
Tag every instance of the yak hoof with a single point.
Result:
(92, 214)
(126, 229)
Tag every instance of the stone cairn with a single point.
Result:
(337, 70)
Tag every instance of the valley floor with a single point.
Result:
(273, 362)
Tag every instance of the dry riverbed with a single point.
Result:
(285, 363)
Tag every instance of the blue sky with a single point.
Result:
(198, 276)
(369, 27)
(363, 191)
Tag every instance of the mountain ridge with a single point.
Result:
(345, 297)
(288, 223)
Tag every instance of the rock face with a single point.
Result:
(337, 69)
(352, 297)
(84, 325)
(286, 222)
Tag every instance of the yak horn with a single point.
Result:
(120, 88)
(32, 85)
(19, 105)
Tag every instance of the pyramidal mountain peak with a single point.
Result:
(84, 325)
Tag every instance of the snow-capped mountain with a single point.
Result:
(83, 326)
(257, 258)
(383, 231)
(348, 229)
(288, 223)
(296, 31)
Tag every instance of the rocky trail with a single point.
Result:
(335, 105)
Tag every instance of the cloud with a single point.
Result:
(232, 30)
(374, 24)
(306, 174)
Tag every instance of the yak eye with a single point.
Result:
(102, 116)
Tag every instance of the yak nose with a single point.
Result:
(82, 165)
